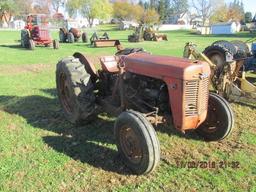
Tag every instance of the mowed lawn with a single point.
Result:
(41, 151)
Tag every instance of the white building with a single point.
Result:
(225, 28)
(17, 24)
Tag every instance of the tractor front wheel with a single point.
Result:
(56, 44)
(137, 142)
(71, 38)
(31, 44)
(219, 121)
(75, 90)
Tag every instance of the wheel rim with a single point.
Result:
(130, 145)
(65, 93)
(214, 121)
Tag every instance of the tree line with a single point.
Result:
(143, 11)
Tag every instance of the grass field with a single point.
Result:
(41, 151)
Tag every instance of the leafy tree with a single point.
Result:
(41, 6)
(123, 10)
(10, 8)
(236, 11)
(220, 10)
(233, 11)
(56, 4)
(127, 11)
(153, 4)
(204, 9)
(163, 9)
(179, 6)
(72, 6)
(150, 17)
(90, 9)
(248, 17)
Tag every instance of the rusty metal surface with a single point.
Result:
(109, 64)
(77, 33)
(174, 72)
(164, 66)
(106, 43)
(89, 67)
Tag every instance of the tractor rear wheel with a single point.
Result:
(220, 119)
(217, 56)
(56, 44)
(62, 36)
(71, 38)
(24, 39)
(137, 142)
(84, 37)
(75, 90)
(31, 44)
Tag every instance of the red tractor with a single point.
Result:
(36, 32)
(143, 90)
(70, 33)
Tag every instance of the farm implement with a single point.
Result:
(103, 41)
(228, 61)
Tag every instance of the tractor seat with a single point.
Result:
(109, 64)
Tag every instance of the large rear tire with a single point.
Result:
(217, 56)
(137, 142)
(220, 119)
(62, 36)
(24, 39)
(75, 90)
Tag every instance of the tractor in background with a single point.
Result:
(36, 32)
(143, 33)
(70, 34)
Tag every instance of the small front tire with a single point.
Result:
(31, 45)
(84, 37)
(56, 44)
(219, 121)
(137, 142)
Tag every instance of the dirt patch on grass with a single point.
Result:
(19, 69)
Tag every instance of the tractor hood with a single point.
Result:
(165, 66)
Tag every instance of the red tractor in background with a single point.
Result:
(36, 32)
(70, 33)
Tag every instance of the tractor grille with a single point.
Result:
(44, 34)
(196, 96)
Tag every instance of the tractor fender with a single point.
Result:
(76, 32)
(64, 31)
(89, 66)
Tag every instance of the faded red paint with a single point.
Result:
(174, 72)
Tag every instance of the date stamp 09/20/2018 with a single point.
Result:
(208, 164)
